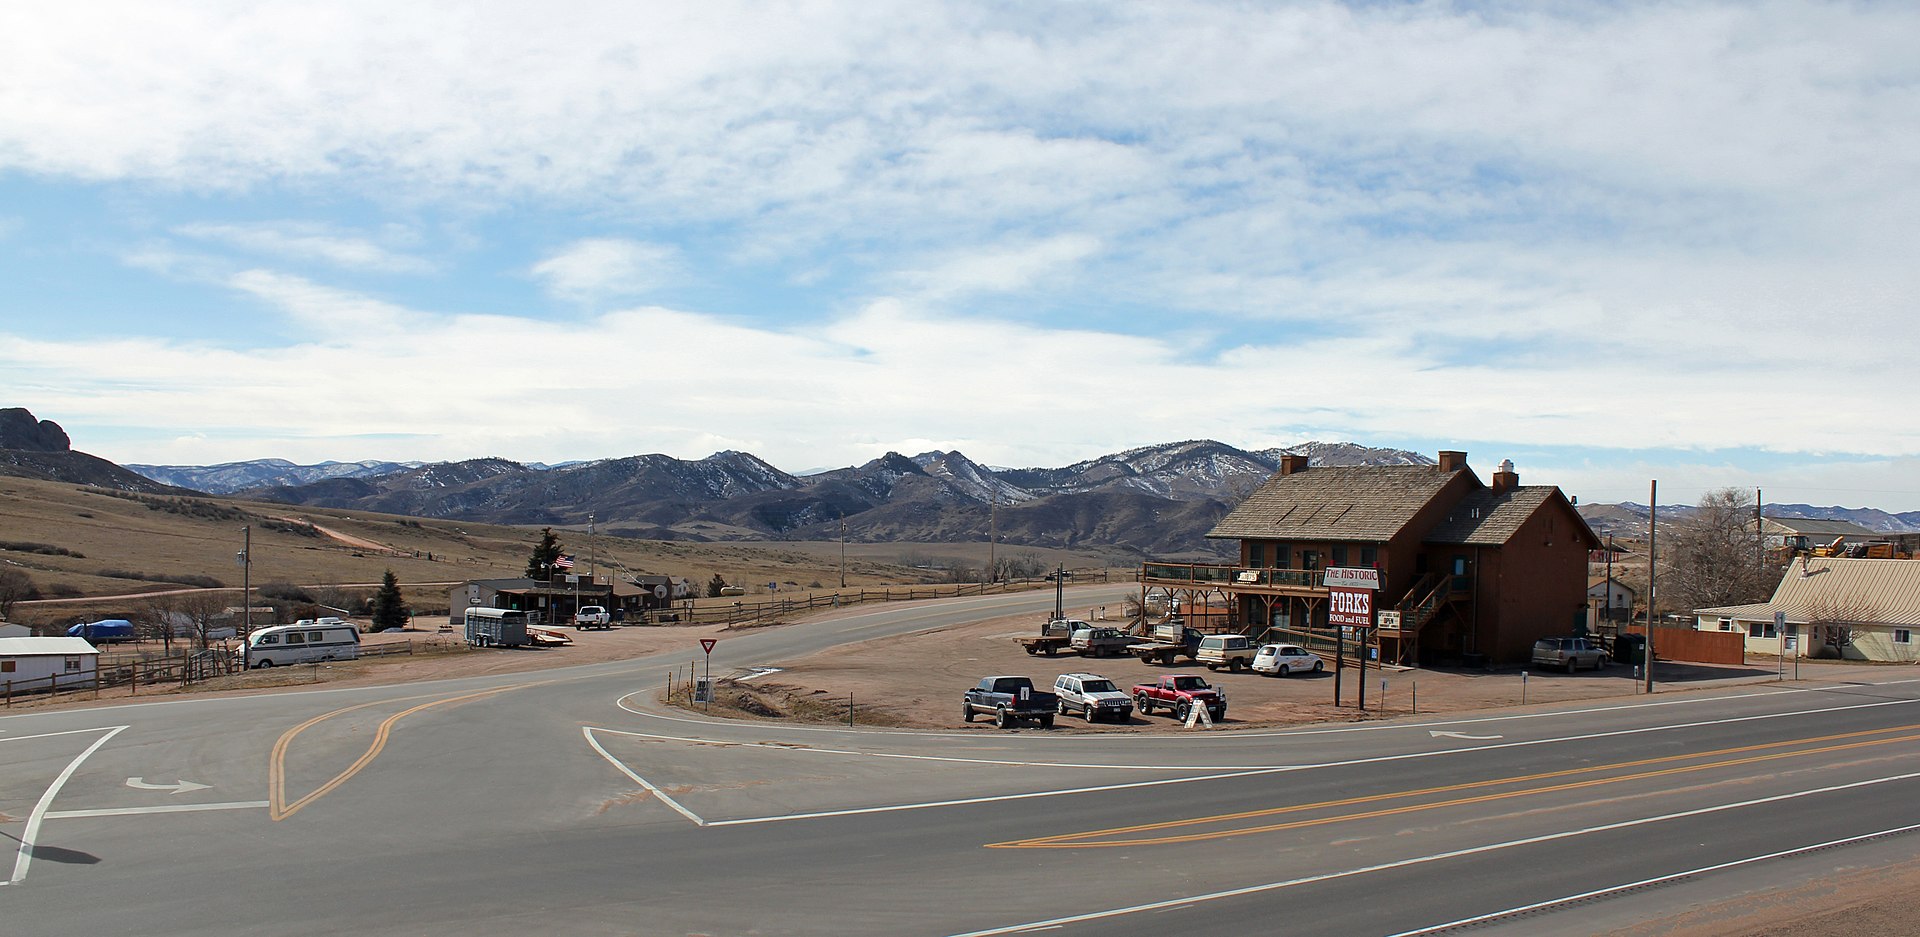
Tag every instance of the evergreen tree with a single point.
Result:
(389, 610)
(540, 565)
(715, 584)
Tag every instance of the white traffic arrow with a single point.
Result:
(1463, 735)
(179, 788)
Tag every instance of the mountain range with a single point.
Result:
(1158, 500)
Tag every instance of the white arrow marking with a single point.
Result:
(180, 788)
(1463, 735)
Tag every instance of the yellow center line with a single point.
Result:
(277, 806)
(1080, 840)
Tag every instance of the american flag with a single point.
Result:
(563, 561)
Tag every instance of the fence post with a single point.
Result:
(133, 685)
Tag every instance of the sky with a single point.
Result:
(1614, 243)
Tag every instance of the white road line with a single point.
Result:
(643, 782)
(158, 808)
(32, 832)
(1703, 870)
(1224, 772)
(1269, 768)
(1435, 857)
(621, 702)
(48, 735)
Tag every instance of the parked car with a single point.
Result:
(1180, 693)
(1568, 653)
(1101, 642)
(1010, 700)
(1232, 651)
(1091, 695)
(1281, 660)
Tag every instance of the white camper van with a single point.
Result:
(302, 642)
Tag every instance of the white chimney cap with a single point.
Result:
(1506, 465)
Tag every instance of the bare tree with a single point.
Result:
(156, 620)
(1715, 557)
(205, 611)
(15, 586)
(1834, 621)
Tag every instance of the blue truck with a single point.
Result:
(1010, 700)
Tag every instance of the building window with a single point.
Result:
(1282, 556)
(1902, 636)
(1256, 555)
(1761, 629)
(1309, 560)
(1340, 556)
(1370, 557)
(73, 663)
(6, 666)
(1726, 624)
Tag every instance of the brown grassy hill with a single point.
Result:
(73, 541)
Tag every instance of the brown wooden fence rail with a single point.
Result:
(131, 672)
(773, 609)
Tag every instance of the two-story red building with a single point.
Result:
(1467, 570)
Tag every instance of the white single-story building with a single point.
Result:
(1857, 609)
(28, 662)
(15, 631)
(1604, 594)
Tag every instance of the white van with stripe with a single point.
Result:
(302, 642)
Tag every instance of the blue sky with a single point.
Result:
(1614, 243)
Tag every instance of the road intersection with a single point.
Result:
(574, 801)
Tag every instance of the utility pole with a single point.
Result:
(993, 533)
(246, 581)
(1653, 531)
(1607, 615)
(843, 549)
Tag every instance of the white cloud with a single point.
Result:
(1622, 226)
(312, 241)
(600, 268)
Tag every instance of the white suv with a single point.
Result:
(1283, 659)
(1093, 696)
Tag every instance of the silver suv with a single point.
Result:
(1568, 653)
(1093, 696)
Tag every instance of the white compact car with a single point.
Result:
(1283, 659)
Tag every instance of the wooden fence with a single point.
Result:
(773, 609)
(131, 671)
(1698, 647)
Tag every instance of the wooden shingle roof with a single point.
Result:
(1484, 518)
(1354, 503)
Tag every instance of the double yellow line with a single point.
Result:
(1102, 839)
(277, 806)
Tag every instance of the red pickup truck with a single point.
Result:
(1179, 692)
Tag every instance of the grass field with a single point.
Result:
(85, 542)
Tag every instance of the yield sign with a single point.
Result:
(706, 644)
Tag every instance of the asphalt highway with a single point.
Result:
(571, 802)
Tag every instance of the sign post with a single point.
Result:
(706, 644)
(1350, 605)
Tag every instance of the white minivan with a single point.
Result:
(302, 642)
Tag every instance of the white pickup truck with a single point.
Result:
(591, 616)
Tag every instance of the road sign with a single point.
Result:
(1350, 607)
(706, 644)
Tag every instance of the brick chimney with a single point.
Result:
(1505, 479)
(1452, 461)
(1291, 464)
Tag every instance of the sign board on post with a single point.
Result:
(1351, 577)
(1350, 607)
(703, 689)
(1389, 620)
